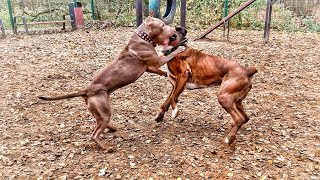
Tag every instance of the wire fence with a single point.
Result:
(290, 15)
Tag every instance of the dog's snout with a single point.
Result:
(173, 37)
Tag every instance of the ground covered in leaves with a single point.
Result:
(51, 140)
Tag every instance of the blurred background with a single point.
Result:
(287, 15)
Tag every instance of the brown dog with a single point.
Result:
(136, 58)
(193, 69)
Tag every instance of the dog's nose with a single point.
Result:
(173, 37)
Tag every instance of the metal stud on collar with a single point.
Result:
(143, 35)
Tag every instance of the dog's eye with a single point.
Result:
(173, 37)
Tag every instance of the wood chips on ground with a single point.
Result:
(51, 140)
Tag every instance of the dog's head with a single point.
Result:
(158, 31)
(178, 38)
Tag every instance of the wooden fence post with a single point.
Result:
(139, 14)
(183, 13)
(267, 21)
(2, 28)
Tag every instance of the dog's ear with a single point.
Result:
(152, 22)
(182, 30)
(149, 20)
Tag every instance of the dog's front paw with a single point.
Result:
(229, 139)
(159, 117)
(181, 49)
(175, 113)
(110, 149)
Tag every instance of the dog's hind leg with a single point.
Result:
(227, 97)
(239, 106)
(100, 108)
(242, 94)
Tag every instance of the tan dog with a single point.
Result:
(136, 58)
(193, 69)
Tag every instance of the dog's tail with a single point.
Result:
(251, 71)
(66, 96)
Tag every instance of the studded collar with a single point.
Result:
(144, 36)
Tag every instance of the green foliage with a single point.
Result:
(292, 16)
(4, 13)
(311, 25)
(118, 12)
(286, 20)
(203, 12)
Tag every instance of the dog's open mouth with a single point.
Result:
(182, 41)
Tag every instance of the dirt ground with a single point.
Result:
(51, 140)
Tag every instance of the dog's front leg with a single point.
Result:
(177, 90)
(152, 69)
(165, 59)
(164, 106)
(172, 99)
